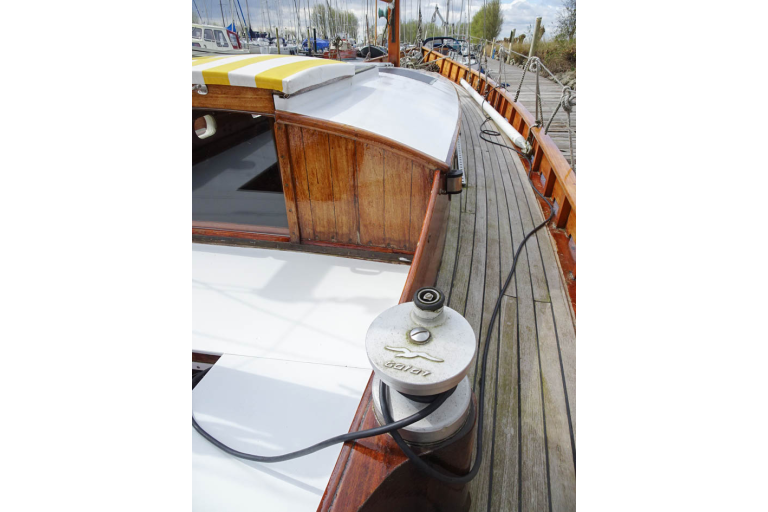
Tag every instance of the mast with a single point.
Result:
(393, 46)
(248, 10)
(223, 23)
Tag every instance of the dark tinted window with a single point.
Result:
(221, 40)
(236, 182)
(208, 34)
(197, 32)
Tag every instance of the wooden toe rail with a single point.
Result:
(556, 175)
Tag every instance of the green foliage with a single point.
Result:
(486, 24)
(558, 55)
(566, 21)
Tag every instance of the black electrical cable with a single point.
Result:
(412, 456)
(350, 436)
(391, 426)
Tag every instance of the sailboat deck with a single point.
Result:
(530, 429)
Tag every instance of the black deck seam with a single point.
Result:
(472, 252)
(519, 412)
(472, 259)
(517, 334)
(498, 339)
(536, 327)
(557, 336)
(543, 407)
(519, 381)
(458, 234)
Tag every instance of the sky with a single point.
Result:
(518, 14)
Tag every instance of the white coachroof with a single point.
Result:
(285, 73)
(419, 110)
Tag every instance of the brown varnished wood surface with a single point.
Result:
(344, 180)
(240, 99)
(373, 474)
(363, 136)
(248, 235)
(319, 181)
(344, 250)
(370, 197)
(197, 357)
(298, 172)
(426, 260)
(421, 183)
(230, 226)
(284, 160)
(397, 200)
(355, 193)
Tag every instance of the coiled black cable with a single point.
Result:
(350, 436)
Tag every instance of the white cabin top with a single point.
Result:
(413, 108)
(416, 109)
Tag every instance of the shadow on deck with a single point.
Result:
(530, 418)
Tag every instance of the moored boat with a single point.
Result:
(344, 51)
(212, 39)
(333, 208)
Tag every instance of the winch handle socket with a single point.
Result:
(429, 298)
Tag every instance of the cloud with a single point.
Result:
(518, 14)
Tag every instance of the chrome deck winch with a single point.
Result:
(421, 349)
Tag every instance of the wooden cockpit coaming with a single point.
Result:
(353, 193)
(343, 186)
(236, 99)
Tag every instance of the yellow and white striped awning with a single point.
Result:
(286, 73)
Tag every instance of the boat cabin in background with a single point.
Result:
(214, 39)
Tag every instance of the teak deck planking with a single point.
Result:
(548, 160)
(553, 175)
(530, 431)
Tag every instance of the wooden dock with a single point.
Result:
(530, 418)
(551, 93)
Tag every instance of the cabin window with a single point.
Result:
(232, 39)
(197, 32)
(236, 181)
(208, 34)
(221, 41)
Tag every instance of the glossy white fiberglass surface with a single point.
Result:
(292, 330)
(288, 305)
(269, 407)
(419, 115)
